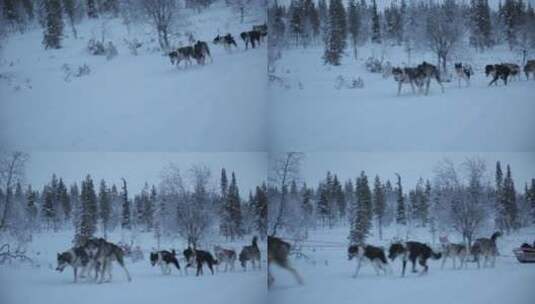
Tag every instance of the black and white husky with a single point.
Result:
(463, 71)
(164, 259)
(104, 253)
(453, 251)
(227, 41)
(226, 256)
(412, 251)
(529, 68)
(76, 258)
(199, 257)
(497, 71)
(375, 255)
(250, 253)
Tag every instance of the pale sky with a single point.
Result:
(410, 165)
(138, 168)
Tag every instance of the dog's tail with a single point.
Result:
(435, 255)
(173, 252)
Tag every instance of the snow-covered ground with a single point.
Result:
(312, 115)
(22, 284)
(328, 276)
(135, 103)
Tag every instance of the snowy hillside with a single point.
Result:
(140, 103)
(308, 112)
(25, 284)
(328, 276)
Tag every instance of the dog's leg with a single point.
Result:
(404, 266)
(75, 269)
(109, 271)
(444, 261)
(399, 87)
(454, 258)
(423, 263)
(357, 268)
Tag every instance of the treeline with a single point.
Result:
(458, 198)
(439, 27)
(54, 16)
(171, 209)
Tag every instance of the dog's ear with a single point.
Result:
(58, 255)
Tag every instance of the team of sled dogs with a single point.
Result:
(200, 51)
(422, 74)
(482, 248)
(97, 255)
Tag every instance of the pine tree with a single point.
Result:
(104, 200)
(401, 217)
(31, 206)
(234, 204)
(532, 200)
(307, 207)
(260, 210)
(339, 198)
(48, 211)
(376, 24)
(500, 198)
(70, 8)
(74, 195)
(64, 200)
(361, 221)
(54, 24)
(379, 204)
(323, 204)
(126, 222)
(92, 9)
(337, 32)
(511, 207)
(224, 226)
(88, 200)
(354, 25)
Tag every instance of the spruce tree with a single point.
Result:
(361, 221)
(104, 200)
(376, 24)
(337, 32)
(379, 204)
(401, 217)
(54, 24)
(48, 211)
(354, 25)
(126, 222)
(234, 203)
(92, 9)
(511, 207)
(88, 199)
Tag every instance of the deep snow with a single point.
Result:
(312, 115)
(328, 276)
(22, 284)
(135, 103)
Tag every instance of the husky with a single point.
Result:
(104, 253)
(453, 251)
(201, 52)
(463, 71)
(182, 54)
(250, 253)
(199, 257)
(227, 256)
(529, 68)
(487, 248)
(514, 70)
(497, 71)
(412, 251)
(251, 37)
(375, 255)
(227, 41)
(76, 258)
(407, 75)
(278, 251)
(164, 259)
(428, 71)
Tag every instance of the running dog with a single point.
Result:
(182, 54)
(201, 52)
(227, 256)
(199, 257)
(463, 71)
(497, 71)
(227, 41)
(412, 251)
(250, 253)
(251, 37)
(103, 253)
(375, 255)
(278, 251)
(514, 70)
(485, 247)
(76, 258)
(529, 68)
(407, 75)
(164, 259)
(427, 72)
(453, 251)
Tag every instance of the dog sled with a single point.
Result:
(525, 254)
